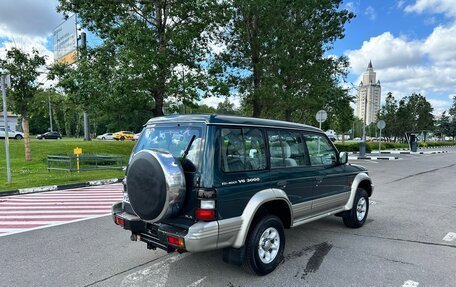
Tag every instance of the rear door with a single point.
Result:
(290, 169)
(331, 179)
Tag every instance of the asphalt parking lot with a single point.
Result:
(409, 240)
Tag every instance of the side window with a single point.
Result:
(275, 149)
(242, 150)
(286, 149)
(293, 148)
(320, 149)
(256, 148)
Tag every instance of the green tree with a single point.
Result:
(161, 46)
(443, 126)
(276, 53)
(226, 107)
(388, 113)
(24, 71)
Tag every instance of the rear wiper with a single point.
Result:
(188, 147)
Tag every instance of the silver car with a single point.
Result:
(11, 134)
(105, 136)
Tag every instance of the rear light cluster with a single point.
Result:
(176, 241)
(207, 205)
(120, 221)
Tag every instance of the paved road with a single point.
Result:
(402, 244)
(39, 210)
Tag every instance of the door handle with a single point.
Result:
(319, 179)
(282, 184)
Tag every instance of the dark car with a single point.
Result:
(49, 135)
(204, 182)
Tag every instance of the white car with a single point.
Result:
(105, 136)
(11, 134)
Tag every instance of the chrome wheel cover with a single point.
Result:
(361, 209)
(269, 244)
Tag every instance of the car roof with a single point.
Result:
(216, 119)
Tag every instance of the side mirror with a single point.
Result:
(343, 157)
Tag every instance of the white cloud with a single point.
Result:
(385, 50)
(440, 45)
(371, 13)
(446, 7)
(28, 25)
(29, 17)
(351, 6)
(406, 66)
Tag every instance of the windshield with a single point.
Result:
(173, 139)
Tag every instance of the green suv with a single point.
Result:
(204, 182)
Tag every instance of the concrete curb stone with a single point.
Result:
(59, 187)
(374, 157)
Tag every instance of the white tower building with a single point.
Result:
(369, 89)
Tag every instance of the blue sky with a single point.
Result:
(412, 43)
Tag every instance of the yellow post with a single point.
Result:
(77, 151)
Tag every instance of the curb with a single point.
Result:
(411, 152)
(59, 187)
(374, 157)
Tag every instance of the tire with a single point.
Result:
(356, 217)
(18, 137)
(156, 185)
(103, 138)
(269, 227)
(122, 138)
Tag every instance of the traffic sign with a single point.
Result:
(321, 116)
(381, 124)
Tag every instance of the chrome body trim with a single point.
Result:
(323, 203)
(202, 236)
(228, 231)
(253, 205)
(316, 216)
(302, 210)
(359, 178)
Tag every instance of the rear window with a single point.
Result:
(173, 139)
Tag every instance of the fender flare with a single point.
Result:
(260, 198)
(358, 179)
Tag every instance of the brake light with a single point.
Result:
(205, 214)
(207, 204)
(120, 221)
(177, 241)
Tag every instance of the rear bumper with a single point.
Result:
(201, 236)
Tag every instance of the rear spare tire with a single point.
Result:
(155, 185)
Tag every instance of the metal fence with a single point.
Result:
(73, 163)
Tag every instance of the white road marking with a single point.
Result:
(22, 213)
(451, 236)
(410, 283)
(20, 230)
(154, 275)
(196, 283)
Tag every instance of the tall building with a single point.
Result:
(369, 89)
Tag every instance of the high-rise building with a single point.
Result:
(369, 89)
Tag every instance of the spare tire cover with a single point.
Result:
(155, 185)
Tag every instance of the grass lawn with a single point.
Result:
(34, 173)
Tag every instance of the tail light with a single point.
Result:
(207, 205)
(176, 241)
(120, 221)
(205, 214)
